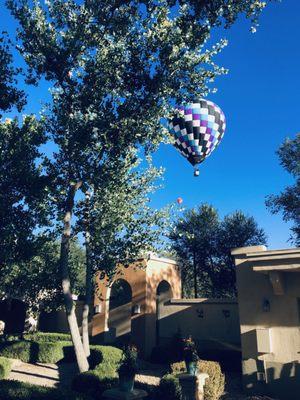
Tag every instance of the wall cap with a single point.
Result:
(202, 300)
(248, 249)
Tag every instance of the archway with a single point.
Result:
(120, 308)
(163, 294)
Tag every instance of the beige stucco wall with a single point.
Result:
(270, 336)
(143, 278)
(214, 323)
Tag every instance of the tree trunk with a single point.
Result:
(66, 286)
(88, 283)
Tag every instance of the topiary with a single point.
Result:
(5, 367)
(22, 350)
(169, 388)
(50, 352)
(48, 337)
(94, 383)
(214, 385)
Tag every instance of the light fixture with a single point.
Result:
(98, 308)
(266, 305)
(136, 309)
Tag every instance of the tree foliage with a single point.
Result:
(202, 242)
(288, 201)
(10, 94)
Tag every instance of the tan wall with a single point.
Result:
(270, 338)
(214, 323)
(143, 278)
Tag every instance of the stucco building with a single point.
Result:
(268, 285)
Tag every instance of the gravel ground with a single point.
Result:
(50, 375)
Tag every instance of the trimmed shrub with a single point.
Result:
(169, 388)
(28, 351)
(13, 390)
(5, 367)
(22, 350)
(94, 383)
(48, 337)
(214, 386)
(110, 355)
(50, 352)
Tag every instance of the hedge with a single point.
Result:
(13, 390)
(48, 337)
(169, 388)
(94, 383)
(5, 367)
(32, 352)
(215, 384)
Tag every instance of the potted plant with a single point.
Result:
(128, 369)
(190, 355)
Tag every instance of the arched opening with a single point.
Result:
(120, 304)
(163, 294)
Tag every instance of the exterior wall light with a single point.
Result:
(136, 309)
(266, 305)
(98, 308)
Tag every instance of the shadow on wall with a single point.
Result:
(280, 380)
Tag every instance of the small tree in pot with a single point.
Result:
(128, 369)
(190, 355)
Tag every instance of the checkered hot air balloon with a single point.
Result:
(198, 128)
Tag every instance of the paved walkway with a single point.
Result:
(50, 375)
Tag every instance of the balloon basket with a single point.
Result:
(196, 172)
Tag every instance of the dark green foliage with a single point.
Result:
(30, 351)
(202, 242)
(13, 390)
(10, 95)
(21, 350)
(110, 355)
(47, 337)
(5, 367)
(288, 201)
(103, 358)
(94, 383)
(169, 388)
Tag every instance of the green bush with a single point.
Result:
(44, 352)
(110, 355)
(5, 367)
(94, 383)
(50, 352)
(48, 337)
(169, 388)
(214, 386)
(22, 350)
(13, 390)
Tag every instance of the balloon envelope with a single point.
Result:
(179, 200)
(198, 128)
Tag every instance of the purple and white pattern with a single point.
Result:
(198, 128)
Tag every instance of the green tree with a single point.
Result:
(203, 243)
(23, 208)
(236, 230)
(288, 201)
(115, 68)
(10, 95)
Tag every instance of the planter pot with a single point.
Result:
(126, 383)
(191, 367)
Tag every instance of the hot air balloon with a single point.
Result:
(179, 200)
(198, 128)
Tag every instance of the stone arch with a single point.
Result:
(119, 309)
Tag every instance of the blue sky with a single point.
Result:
(260, 98)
